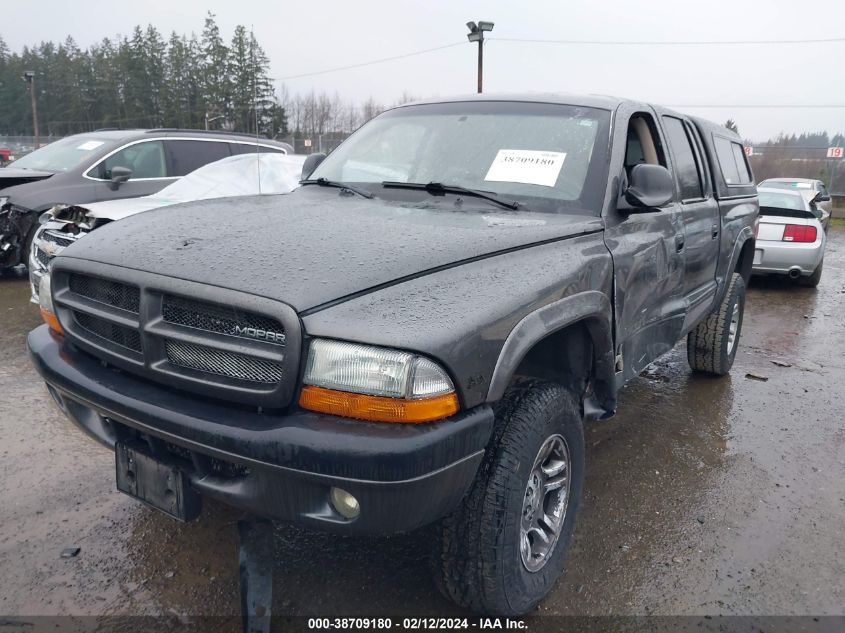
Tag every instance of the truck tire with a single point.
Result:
(498, 554)
(813, 280)
(712, 345)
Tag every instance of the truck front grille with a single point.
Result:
(227, 320)
(237, 347)
(110, 293)
(112, 332)
(215, 361)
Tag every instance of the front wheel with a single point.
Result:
(712, 345)
(503, 549)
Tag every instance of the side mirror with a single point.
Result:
(311, 164)
(120, 175)
(822, 197)
(650, 186)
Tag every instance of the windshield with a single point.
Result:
(60, 155)
(782, 200)
(547, 157)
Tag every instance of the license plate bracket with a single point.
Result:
(159, 485)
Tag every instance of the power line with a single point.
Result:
(670, 43)
(759, 105)
(370, 63)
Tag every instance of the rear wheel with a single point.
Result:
(504, 548)
(712, 345)
(814, 279)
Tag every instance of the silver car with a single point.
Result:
(790, 238)
(814, 191)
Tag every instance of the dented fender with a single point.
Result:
(591, 308)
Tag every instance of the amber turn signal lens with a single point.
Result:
(378, 408)
(51, 321)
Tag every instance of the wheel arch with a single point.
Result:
(569, 341)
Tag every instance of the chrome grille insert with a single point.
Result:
(57, 238)
(222, 363)
(227, 320)
(42, 257)
(110, 293)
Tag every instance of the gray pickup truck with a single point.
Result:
(416, 336)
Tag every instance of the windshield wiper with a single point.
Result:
(323, 182)
(439, 187)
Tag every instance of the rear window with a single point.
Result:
(786, 184)
(732, 161)
(781, 200)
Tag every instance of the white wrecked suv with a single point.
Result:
(240, 175)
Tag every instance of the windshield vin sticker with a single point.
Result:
(89, 145)
(526, 166)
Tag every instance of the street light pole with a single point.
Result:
(480, 63)
(476, 34)
(29, 77)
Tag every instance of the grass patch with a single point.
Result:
(837, 221)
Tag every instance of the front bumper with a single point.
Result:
(772, 257)
(281, 466)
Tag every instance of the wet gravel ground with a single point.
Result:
(703, 496)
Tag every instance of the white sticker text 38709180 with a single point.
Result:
(526, 166)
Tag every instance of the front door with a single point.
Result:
(648, 255)
(148, 163)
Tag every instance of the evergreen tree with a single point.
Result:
(216, 84)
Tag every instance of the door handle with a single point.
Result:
(714, 231)
(679, 242)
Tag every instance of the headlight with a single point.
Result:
(375, 383)
(45, 303)
(45, 217)
(3, 200)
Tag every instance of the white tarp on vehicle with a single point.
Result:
(241, 175)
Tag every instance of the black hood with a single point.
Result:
(315, 245)
(10, 176)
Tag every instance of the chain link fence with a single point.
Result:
(12, 147)
(315, 143)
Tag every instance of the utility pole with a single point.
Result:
(476, 34)
(29, 77)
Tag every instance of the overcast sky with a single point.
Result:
(309, 36)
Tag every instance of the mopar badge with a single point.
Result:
(261, 335)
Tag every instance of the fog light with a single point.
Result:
(346, 505)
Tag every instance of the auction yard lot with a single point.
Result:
(703, 496)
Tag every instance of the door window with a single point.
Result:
(146, 160)
(188, 155)
(732, 161)
(643, 144)
(686, 165)
(248, 148)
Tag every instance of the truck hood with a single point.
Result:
(316, 245)
(10, 176)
